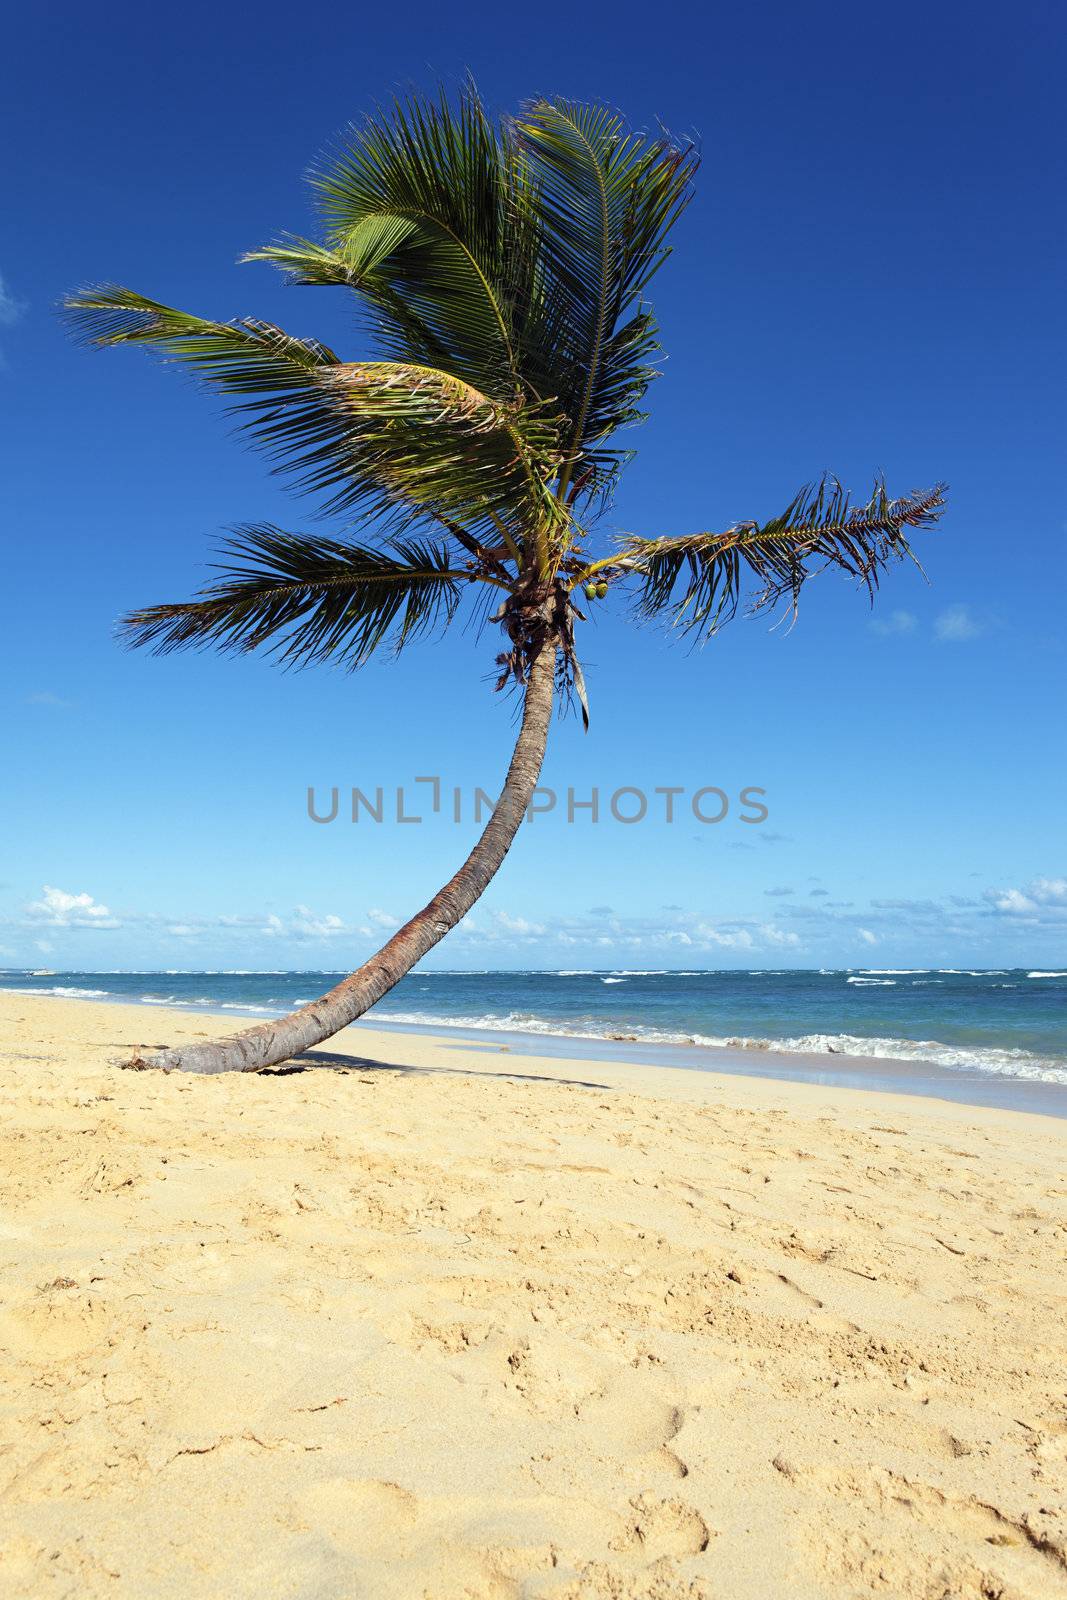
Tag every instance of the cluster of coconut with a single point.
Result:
(595, 591)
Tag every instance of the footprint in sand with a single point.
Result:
(632, 1417)
(994, 1553)
(361, 1514)
(56, 1324)
(664, 1528)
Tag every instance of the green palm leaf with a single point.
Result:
(309, 599)
(388, 439)
(354, 262)
(433, 180)
(603, 201)
(699, 578)
(393, 325)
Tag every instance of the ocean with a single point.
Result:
(1002, 1024)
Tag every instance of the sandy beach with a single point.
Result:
(446, 1321)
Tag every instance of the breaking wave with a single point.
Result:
(65, 992)
(1011, 1063)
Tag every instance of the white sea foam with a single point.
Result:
(1011, 1063)
(66, 992)
(1046, 974)
(520, 1022)
(875, 983)
(1016, 1063)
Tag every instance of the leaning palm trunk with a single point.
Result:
(272, 1042)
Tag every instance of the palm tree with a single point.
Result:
(499, 269)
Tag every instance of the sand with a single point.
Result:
(423, 1328)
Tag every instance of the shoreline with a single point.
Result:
(832, 1070)
(457, 1320)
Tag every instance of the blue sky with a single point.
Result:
(870, 279)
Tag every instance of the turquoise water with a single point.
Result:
(1007, 1024)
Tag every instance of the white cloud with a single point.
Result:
(897, 622)
(62, 910)
(722, 939)
(382, 919)
(518, 925)
(10, 311)
(867, 936)
(1012, 901)
(957, 624)
(10, 308)
(1045, 899)
(302, 924)
(306, 925)
(45, 697)
(631, 935)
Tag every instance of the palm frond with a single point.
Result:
(436, 442)
(457, 236)
(248, 355)
(309, 599)
(603, 200)
(699, 578)
(267, 374)
(434, 176)
(360, 264)
(387, 439)
(353, 262)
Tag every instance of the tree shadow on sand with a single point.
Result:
(334, 1062)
